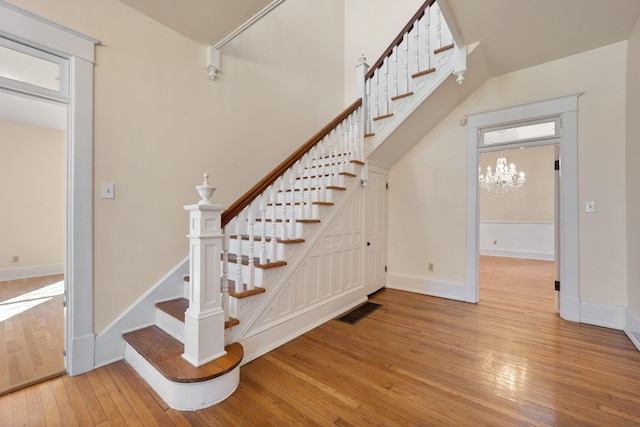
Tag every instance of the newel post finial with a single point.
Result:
(206, 191)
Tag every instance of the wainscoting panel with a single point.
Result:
(531, 240)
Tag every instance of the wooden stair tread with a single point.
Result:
(329, 187)
(360, 162)
(233, 258)
(175, 307)
(245, 292)
(164, 353)
(382, 117)
(443, 48)
(300, 203)
(302, 221)
(257, 239)
(231, 323)
(404, 95)
(423, 72)
(367, 135)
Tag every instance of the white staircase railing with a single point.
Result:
(415, 53)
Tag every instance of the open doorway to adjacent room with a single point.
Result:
(517, 230)
(33, 151)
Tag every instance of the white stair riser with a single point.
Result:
(258, 274)
(170, 325)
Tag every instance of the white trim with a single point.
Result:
(606, 315)
(242, 28)
(110, 346)
(632, 327)
(28, 271)
(426, 286)
(539, 256)
(566, 107)
(35, 31)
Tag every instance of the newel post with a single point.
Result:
(361, 85)
(204, 319)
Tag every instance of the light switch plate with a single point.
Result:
(108, 190)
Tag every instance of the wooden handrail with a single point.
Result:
(272, 176)
(399, 38)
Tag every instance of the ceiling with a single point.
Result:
(513, 34)
(204, 21)
(516, 34)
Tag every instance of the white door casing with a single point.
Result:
(568, 256)
(24, 27)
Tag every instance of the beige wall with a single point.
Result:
(534, 201)
(160, 122)
(428, 186)
(369, 31)
(633, 169)
(32, 194)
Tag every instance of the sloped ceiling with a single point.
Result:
(517, 34)
(204, 21)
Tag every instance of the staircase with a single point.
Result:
(288, 255)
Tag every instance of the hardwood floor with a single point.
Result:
(31, 331)
(417, 360)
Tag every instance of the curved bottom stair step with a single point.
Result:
(164, 353)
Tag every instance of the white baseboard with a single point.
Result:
(109, 343)
(267, 340)
(632, 327)
(29, 271)
(606, 315)
(518, 254)
(426, 286)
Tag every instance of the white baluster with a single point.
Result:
(427, 41)
(273, 241)
(251, 222)
(377, 87)
(395, 70)
(292, 213)
(239, 278)
(405, 41)
(385, 67)
(225, 274)
(439, 25)
(368, 122)
(283, 228)
(263, 230)
(416, 39)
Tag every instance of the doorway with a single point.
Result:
(376, 207)
(74, 52)
(32, 185)
(517, 229)
(565, 111)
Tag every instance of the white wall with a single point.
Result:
(32, 194)
(428, 186)
(369, 29)
(160, 122)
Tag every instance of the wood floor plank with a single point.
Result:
(35, 407)
(418, 360)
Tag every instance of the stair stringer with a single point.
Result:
(323, 282)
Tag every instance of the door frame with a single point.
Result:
(567, 109)
(367, 220)
(29, 29)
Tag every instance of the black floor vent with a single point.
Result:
(359, 313)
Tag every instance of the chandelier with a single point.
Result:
(503, 178)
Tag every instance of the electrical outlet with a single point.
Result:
(15, 258)
(495, 242)
(430, 266)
